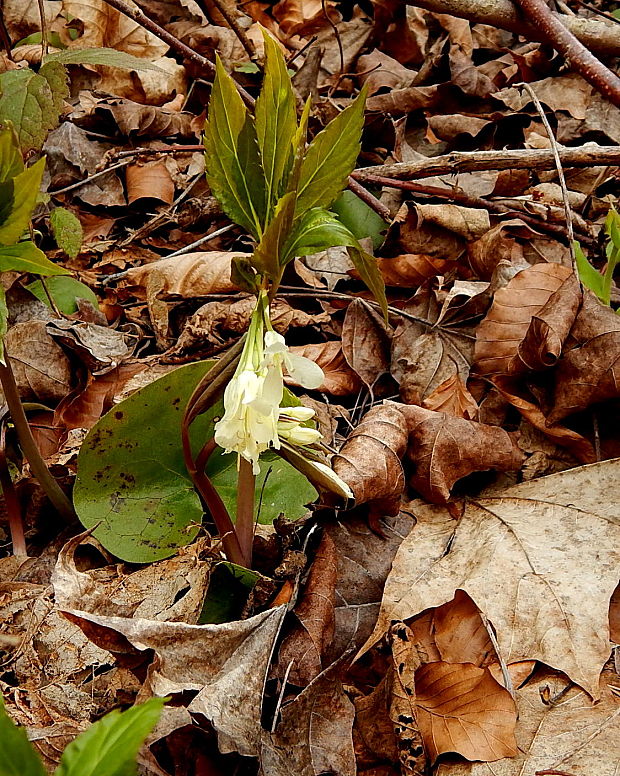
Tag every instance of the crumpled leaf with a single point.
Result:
(226, 664)
(370, 460)
(529, 321)
(304, 647)
(100, 347)
(444, 448)
(453, 398)
(540, 561)
(410, 270)
(365, 342)
(588, 372)
(313, 735)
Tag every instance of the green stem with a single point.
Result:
(29, 447)
(244, 526)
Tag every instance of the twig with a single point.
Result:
(234, 25)
(244, 525)
(518, 159)
(372, 202)
(300, 51)
(138, 16)
(597, 35)
(5, 38)
(598, 12)
(558, 164)
(173, 149)
(29, 447)
(11, 502)
(90, 178)
(44, 38)
(332, 24)
(577, 56)
(201, 241)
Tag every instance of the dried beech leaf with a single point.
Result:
(444, 448)
(365, 342)
(453, 398)
(150, 180)
(590, 371)
(461, 708)
(410, 270)
(541, 561)
(370, 460)
(305, 646)
(528, 321)
(496, 245)
(340, 379)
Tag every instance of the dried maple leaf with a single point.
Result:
(540, 560)
(528, 322)
(443, 449)
(590, 371)
(370, 460)
(302, 650)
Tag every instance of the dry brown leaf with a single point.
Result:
(373, 732)
(340, 379)
(498, 244)
(540, 560)
(528, 322)
(578, 445)
(304, 17)
(453, 398)
(380, 71)
(101, 348)
(443, 449)
(303, 648)
(559, 731)
(370, 460)
(461, 708)
(149, 180)
(134, 118)
(410, 270)
(365, 342)
(42, 369)
(561, 93)
(614, 616)
(23, 17)
(313, 736)
(187, 276)
(590, 371)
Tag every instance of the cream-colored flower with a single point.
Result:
(301, 369)
(291, 430)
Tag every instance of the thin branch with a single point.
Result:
(90, 178)
(372, 202)
(5, 38)
(577, 56)
(138, 16)
(590, 155)
(234, 25)
(44, 37)
(29, 447)
(598, 35)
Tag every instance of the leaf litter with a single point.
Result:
(464, 617)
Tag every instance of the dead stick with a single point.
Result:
(464, 161)
(149, 24)
(599, 36)
(577, 56)
(368, 198)
(234, 25)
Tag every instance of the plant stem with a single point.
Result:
(13, 508)
(244, 526)
(29, 447)
(44, 38)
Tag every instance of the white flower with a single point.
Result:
(301, 369)
(291, 430)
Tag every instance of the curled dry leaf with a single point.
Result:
(365, 342)
(340, 379)
(590, 371)
(453, 398)
(410, 270)
(541, 562)
(149, 180)
(528, 322)
(497, 244)
(370, 460)
(42, 369)
(461, 708)
(101, 348)
(443, 449)
(304, 647)
(187, 276)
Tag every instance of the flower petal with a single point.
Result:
(304, 371)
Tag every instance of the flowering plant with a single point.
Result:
(276, 186)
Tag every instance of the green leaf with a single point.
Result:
(101, 56)
(17, 755)
(234, 170)
(269, 254)
(24, 189)
(317, 230)
(11, 162)
(361, 220)
(276, 122)
(331, 157)
(110, 746)
(32, 101)
(67, 231)
(26, 257)
(589, 276)
(132, 476)
(65, 291)
(229, 588)
(366, 265)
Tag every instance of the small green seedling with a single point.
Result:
(600, 284)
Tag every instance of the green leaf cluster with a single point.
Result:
(274, 185)
(600, 284)
(108, 748)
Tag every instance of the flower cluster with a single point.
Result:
(253, 420)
